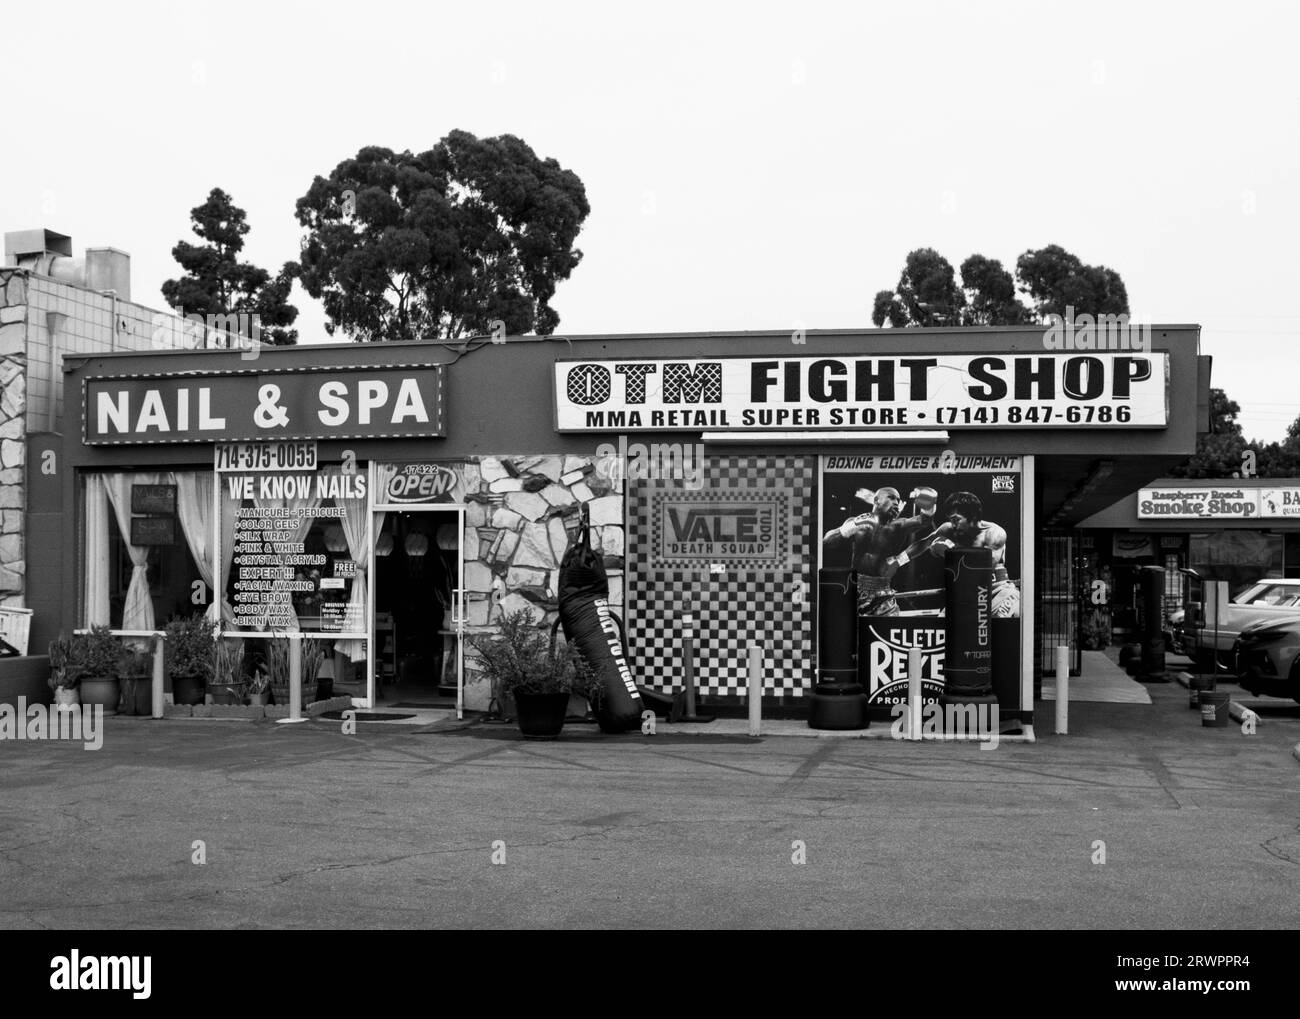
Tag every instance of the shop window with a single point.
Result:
(144, 561)
(294, 556)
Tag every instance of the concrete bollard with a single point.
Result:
(159, 670)
(755, 688)
(295, 679)
(914, 693)
(1062, 689)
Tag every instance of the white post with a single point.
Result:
(755, 688)
(295, 677)
(1062, 689)
(159, 659)
(914, 693)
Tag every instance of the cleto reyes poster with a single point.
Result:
(890, 518)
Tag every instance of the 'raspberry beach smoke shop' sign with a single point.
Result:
(1095, 390)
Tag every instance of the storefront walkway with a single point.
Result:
(1101, 682)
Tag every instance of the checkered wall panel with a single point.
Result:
(730, 608)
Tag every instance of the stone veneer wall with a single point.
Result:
(13, 435)
(522, 512)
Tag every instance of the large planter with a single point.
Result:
(187, 689)
(137, 695)
(102, 690)
(280, 694)
(541, 715)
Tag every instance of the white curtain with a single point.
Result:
(308, 505)
(97, 568)
(194, 509)
(354, 530)
(138, 613)
(229, 509)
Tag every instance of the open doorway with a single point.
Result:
(417, 569)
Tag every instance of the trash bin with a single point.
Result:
(1214, 708)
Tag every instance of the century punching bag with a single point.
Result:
(592, 630)
(968, 655)
(1153, 630)
(837, 626)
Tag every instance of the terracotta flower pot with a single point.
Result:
(102, 690)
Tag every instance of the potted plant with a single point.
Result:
(520, 662)
(136, 675)
(227, 684)
(99, 658)
(277, 654)
(190, 653)
(313, 656)
(64, 672)
(259, 684)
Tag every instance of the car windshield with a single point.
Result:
(1274, 595)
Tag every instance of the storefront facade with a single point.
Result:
(394, 499)
(1235, 530)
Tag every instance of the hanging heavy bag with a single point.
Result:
(590, 627)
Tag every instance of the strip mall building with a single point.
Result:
(396, 498)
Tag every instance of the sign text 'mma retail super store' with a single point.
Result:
(941, 391)
(393, 401)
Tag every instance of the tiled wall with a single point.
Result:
(89, 323)
(94, 324)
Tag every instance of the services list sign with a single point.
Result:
(388, 402)
(1098, 390)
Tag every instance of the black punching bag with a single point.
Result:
(1153, 619)
(837, 626)
(968, 654)
(592, 630)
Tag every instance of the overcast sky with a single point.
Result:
(749, 166)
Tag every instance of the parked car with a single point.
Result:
(1265, 601)
(1267, 658)
(1175, 635)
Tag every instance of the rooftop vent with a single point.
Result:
(50, 254)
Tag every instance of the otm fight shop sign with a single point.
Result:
(392, 401)
(1096, 390)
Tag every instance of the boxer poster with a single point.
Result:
(891, 518)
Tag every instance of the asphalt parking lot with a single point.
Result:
(1141, 818)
